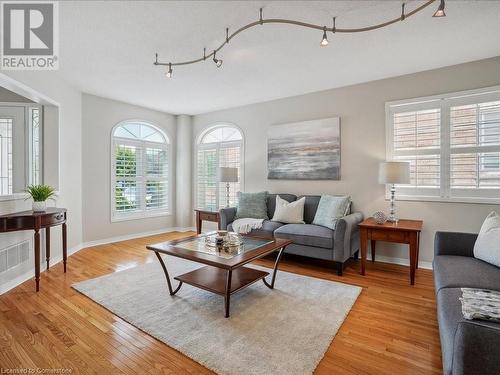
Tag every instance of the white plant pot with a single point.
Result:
(39, 206)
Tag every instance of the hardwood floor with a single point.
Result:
(392, 328)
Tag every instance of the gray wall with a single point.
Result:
(362, 112)
(99, 116)
(9, 96)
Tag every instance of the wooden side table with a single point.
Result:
(203, 215)
(404, 231)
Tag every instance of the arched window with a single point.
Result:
(219, 146)
(140, 171)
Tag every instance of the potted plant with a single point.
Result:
(40, 194)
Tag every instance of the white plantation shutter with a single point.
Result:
(140, 166)
(452, 143)
(475, 148)
(416, 138)
(222, 146)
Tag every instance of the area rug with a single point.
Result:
(282, 331)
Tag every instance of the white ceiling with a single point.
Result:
(107, 48)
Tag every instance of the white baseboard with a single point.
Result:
(31, 273)
(400, 261)
(132, 236)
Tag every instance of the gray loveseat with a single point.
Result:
(308, 239)
(468, 346)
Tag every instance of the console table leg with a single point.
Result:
(65, 244)
(373, 243)
(37, 259)
(273, 279)
(47, 246)
(227, 297)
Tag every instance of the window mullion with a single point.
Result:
(445, 150)
(217, 183)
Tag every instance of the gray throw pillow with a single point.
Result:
(252, 205)
(330, 209)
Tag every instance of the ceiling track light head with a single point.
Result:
(227, 34)
(156, 59)
(324, 40)
(218, 62)
(403, 12)
(169, 72)
(334, 27)
(204, 53)
(440, 10)
(261, 20)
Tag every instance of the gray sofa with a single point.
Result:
(308, 239)
(468, 346)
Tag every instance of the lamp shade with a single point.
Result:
(394, 172)
(228, 174)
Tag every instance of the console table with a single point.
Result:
(29, 220)
(203, 215)
(404, 231)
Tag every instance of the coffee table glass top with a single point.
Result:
(198, 244)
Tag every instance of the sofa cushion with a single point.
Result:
(271, 202)
(330, 209)
(487, 246)
(252, 205)
(451, 271)
(310, 207)
(307, 234)
(267, 230)
(449, 312)
(289, 212)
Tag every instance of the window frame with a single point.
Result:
(199, 145)
(142, 213)
(444, 102)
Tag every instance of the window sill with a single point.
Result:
(139, 216)
(13, 197)
(473, 200)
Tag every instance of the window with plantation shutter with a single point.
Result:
(140, 171)
(220, 146)
(452, 143)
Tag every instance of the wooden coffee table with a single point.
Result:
(224, 273)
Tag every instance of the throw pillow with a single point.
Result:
(252, 205)
(289, 212)
(487, 246)
(330, 209)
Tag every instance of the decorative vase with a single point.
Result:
(380, 217)
(39, 206)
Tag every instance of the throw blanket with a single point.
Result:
(480, 304)
(245, 225)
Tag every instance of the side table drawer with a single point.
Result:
(53, 219)
(386, 235)
(209, 216)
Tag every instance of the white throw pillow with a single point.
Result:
(487, 246)
(289, 212)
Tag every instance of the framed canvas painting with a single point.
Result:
(308, 150)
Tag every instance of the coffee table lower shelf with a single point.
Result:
(214, 279)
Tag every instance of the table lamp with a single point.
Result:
(228, 175)
(394, 172)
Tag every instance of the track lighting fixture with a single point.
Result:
(218, 62)
(324, 41)
(440, 10)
